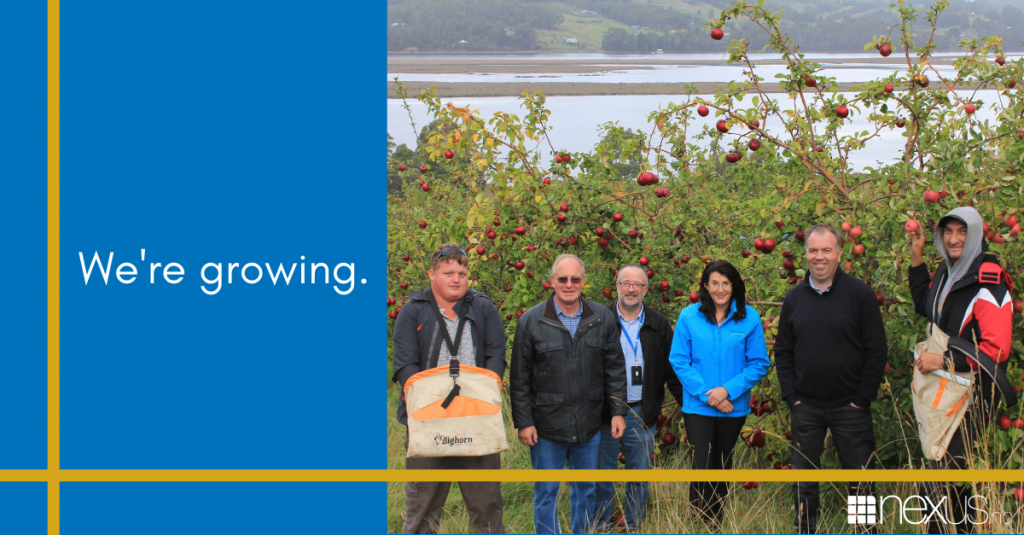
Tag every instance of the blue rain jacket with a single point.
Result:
(706, 356)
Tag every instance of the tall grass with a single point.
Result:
(768, 509)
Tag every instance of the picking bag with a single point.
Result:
(455, 411)
(940, 397)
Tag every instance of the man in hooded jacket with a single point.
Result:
(968, 298)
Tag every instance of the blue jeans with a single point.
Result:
(637, 445)
(552, 455)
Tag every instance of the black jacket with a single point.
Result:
(830, 350)
(982, 298)
(418, 337)
(656, 341)
(560, 384)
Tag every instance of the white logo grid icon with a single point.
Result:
(861, 510)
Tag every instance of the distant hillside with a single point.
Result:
(671, 25)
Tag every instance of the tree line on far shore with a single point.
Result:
(513, 25)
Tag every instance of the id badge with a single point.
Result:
(637, 372)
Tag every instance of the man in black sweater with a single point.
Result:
(830, 357)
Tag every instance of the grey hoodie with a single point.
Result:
(972, 248)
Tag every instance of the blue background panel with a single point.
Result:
(219, 508)
(222, 132)
(23, 227)
(23, 508)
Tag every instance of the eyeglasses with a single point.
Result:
(563, 280)
(628, 285)
(451, 250)
(725, 285)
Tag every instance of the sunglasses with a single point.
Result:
(563, 280)
(451, 250)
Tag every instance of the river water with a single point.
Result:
(576, 120)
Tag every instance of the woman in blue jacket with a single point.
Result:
(718, 353)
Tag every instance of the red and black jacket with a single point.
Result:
(977, 316)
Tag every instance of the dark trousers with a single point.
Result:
(952, 517)
(854, 438)
(713, 439)
(424, 501)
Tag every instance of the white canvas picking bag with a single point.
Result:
(455, 411)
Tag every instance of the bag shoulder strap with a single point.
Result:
(453, 347)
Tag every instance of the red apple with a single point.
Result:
(885, 50)
(856, 232)
(911, 226)
(889, 88)
(759, 244)
(567, 157)
(423, 224)
(717, 34)
(644, 261)
(616, 217)
(722, 126)
(810, 81)
(879, 298)
(901, 122)
(401, 168)
(561, 218)
(1018, 423)
(480, 250)
(703, 110)
(449, 154)
(858, 249)
(969, 109)
(1005, 422)
(788, 265)
(694, 297)
(531, 248)
(799, 235)
(546, 181)
(732, 157)
(563, 207)
(769, 246)
(745, 253)
(426, 187)
(668, 439)
(842, 112)
(423, 169)
(558, 158)
(1001, 60)
(922, 81)
(754, 145)
(753, 125)
(1018, 494)
(931, 196)
(404, 285)
(520, 230)
(663, 286)
(607, 293)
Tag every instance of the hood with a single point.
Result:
(972, 248)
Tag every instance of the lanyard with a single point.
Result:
(632, 345)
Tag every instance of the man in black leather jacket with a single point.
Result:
(567, 363)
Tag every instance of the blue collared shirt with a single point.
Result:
(632, 328)
(810, 280)
(570, 322)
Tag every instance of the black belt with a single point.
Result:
(634, 404)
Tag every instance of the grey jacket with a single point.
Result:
(418, 339)
(560, 384)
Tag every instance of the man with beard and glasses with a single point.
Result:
(646, 338)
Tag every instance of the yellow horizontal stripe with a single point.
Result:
(504, 475)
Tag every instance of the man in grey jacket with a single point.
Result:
(567, 364)
(419, 344)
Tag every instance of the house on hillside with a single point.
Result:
(571, 40)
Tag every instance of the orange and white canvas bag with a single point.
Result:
(940, 398)
(455, 411)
